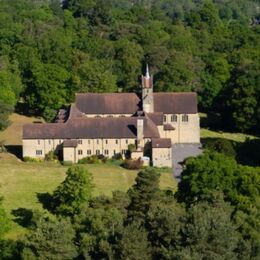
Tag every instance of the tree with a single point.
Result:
(46, 79)
(143, 194)
(128, 63)
(74, 192)
(209, 232)
(243, 98)
(95, 76)
(51, 239)
(4, 221)
(212, 172)
(98, 228)
(133, 244)
(10, 89)
(164, 225)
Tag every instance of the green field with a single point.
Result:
(21, 183)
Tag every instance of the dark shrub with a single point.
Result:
(117, 156)
(249, 152)
(220, 145)
(132, 164)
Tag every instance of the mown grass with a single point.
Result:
(13, 134)
(238, 137)
(21, 183)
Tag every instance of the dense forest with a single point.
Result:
(51, 49)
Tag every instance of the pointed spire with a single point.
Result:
(147, 75)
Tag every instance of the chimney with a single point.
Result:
(140, 133)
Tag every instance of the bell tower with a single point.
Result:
(147, 92)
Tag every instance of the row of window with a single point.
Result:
(98, 152)
(80, 141)
(80, 152)
(174, 118)
(97, 141)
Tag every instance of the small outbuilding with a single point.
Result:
(162, 152)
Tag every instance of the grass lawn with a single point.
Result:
(238, 137)
(20, 183)
(13, 134)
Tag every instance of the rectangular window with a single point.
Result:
(38, 152)
(79, 152)
(164, 118)
(97, 152)
(116, 141)
(88, 152)
(106, 141)
(173, 118)
(49, 142)
(39, 141)
(88, 141)
(106, 152)
(126, 141)
(114, 152)
(79, 141)
(59, 141)
(185, 118)
(97, 141)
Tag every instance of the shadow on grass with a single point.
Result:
(23, 216)
(16, 150)
(46, 200)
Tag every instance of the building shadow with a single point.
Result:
(22, 216)
(16, 150)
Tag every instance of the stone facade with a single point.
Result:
(106, 124)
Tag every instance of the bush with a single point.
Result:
(249, 152)
(117, 156)
(103, 158)
(220, 145)
(51, 156)
(94, 159)
(133, 164)
(31, 159)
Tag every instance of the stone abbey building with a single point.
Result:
(108, 123)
